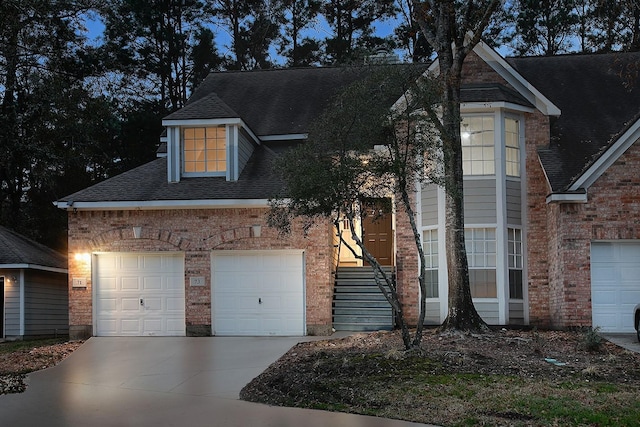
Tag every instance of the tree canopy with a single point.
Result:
(78, 105)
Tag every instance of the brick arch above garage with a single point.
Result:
(123, 238)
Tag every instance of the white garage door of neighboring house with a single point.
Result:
(139, 294)
(615, 285)
(258, 293)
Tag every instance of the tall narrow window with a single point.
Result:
(478, 154)
(204, 149)
(515, 263)
(481, 255)
(512, 141)
(430, 245)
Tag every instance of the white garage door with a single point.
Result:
(615, 285)
(139, 294)
(258, 293)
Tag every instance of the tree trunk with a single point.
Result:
(462, 314)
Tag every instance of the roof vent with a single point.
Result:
(382, 56)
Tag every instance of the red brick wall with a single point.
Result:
(407, 263)
(475, 71)
(612, 212)
(539, 234)
(196, 233)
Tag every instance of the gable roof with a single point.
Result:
(18, 251)
(596, 107)
(147, 187)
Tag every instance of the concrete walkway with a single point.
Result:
(163, 382)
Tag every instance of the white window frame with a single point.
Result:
(183, 156)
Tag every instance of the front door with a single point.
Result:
(377, 229)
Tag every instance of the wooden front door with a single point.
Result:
(377, 230)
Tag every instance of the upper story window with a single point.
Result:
(478, 142)
(204, 149)
(512, 142)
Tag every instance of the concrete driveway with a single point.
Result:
(628, 341)
(163, 382)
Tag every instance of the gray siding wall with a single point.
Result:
(488, 311)
(11, 303)
(429, 198)
(46, 304)
(480, 201)
(514, 203)
(245, 149)
(432, 313)
(516, 312)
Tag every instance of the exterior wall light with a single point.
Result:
(137, 232)
(83, 257)
(256, 230)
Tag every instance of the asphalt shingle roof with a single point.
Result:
(599, 96)
(596, 106)
(149, 183)
(18, 249)
(271, 102)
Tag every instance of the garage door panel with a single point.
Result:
(130, 263)
(152, 263)
(130, 326)
(153, 304)
(615, 284)
(107, 326)
(630, 273)
(152, 278)
(258, 293)
(108, 283)
(151, 283)
(130, 284)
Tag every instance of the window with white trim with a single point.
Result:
(430, 245)
(204, 150)
(515, 263)
(481, 256)
(478, 142)
(512, 149)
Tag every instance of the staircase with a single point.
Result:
(358, 303)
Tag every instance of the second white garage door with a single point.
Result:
(615, 285)
(258, 293)
(139, 294)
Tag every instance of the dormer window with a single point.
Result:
(204, 150)
(208, 148)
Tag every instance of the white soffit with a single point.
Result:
(165, 204)
(285, 137)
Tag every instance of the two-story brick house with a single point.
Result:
(552, 208)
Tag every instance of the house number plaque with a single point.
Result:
(79, 282)
(196, 281)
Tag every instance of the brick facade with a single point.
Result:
(539, 233)
(196, 233)
(407, 264)
(611, 213)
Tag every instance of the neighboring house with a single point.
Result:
(34, 295)
(552, 208)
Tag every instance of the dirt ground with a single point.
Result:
(16, 364)
(490, 368)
